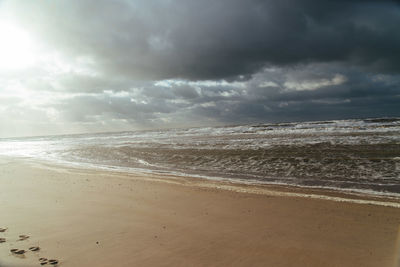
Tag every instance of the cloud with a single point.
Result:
(180, 102)
(266, 97)
(119, 65)
(315, 84)
(216, 39)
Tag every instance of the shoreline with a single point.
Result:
(101, 218)
(238, 185)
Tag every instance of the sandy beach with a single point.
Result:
(101, 218)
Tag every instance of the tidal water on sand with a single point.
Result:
(358, 155)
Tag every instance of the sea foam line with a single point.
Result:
(238, 185)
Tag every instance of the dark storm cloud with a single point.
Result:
(219, 39)
(121, 65)
(320, 95)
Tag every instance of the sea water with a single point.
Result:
(356, 155)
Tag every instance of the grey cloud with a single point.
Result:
(218, 39)
(91, 108)
(185, 92)
(149, 64)
(89, 84)
(361, 95)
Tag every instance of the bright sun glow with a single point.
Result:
(16, 48)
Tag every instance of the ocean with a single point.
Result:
(360, 155)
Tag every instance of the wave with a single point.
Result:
(342, 154)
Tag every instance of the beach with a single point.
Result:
(102, 218)
(200, 133)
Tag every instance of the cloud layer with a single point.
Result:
(119, 65)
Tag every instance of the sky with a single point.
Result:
(96, 65)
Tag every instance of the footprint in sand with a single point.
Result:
(17, 251)
(53, 262)
(21, 252)
(23, 237)
(34, 248)
(44, 261)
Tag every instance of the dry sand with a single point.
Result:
(99, 218)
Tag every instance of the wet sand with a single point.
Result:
(99, 218)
